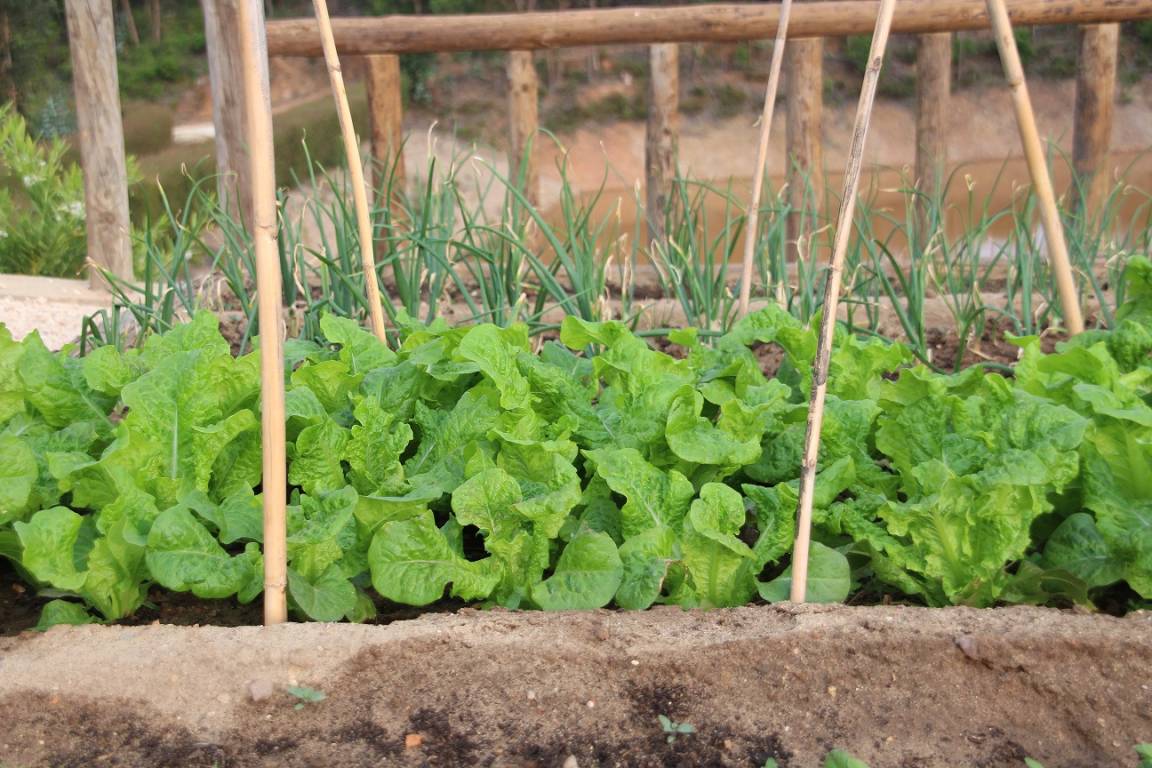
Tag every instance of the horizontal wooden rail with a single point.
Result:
(680, 24)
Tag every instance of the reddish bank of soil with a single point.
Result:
(897, 686)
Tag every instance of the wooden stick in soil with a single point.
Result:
(262, 168)
(831, 298)
(355, 169)
(1037, 165)
(750, 231)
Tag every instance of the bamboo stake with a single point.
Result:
(831, 298)
(762, 160)
(1037, 166)
(355, 168)
(268, 288)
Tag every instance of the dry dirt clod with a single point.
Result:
(261, 690)
(571, 762)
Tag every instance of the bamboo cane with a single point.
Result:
(253, 52)
(761, 160)
(831, 298)
(1037, 166)
(355, 168)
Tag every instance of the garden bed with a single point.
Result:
(895, 686)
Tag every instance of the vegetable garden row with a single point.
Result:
(582, 472)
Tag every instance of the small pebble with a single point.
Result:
(968, 646)
(413, 740)
(570, 762)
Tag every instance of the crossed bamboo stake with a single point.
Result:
(803, 542)
(259, 116)
(753, 217)
(1053, 229)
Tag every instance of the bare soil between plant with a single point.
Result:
(897, 686)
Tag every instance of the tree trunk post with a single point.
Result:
(1095, 105)
(386, 108)
(130, 21)
(226, 76)
(933, 93)
(804, 62)
(155, 16)
(524, 121)
(6, 56)
(662, 135)
(92, 39)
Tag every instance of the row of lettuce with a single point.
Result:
(593, 471)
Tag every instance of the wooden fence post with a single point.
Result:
(1095, 102)
(805, 104)
(933, 93)
(92, 40)
(386, 107)
(663, 134)
(226, 76)
(524, 120)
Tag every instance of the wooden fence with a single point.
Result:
(381, 40)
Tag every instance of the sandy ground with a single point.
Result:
(900, 687)
(54, 306)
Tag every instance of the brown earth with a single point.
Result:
(896, 686)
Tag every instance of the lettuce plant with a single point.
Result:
(592, 471)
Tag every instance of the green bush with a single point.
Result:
(41, 203)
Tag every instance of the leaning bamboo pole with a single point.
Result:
(1037, 165)
(355, 169)
(262, 168)
(753, 218)
(802, 546)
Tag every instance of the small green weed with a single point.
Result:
(305, 695)
(674, 729)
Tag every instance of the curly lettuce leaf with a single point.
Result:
(587, 575)
(413, 562)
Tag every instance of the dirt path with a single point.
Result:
(54, 306)
(897, 686)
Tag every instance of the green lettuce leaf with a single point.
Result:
(184, 557)
(829, 578)
(587, 575)
(412, 562)
(656, 499)
(719, 563)
(330, 597)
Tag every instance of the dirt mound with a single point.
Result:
(896, 686)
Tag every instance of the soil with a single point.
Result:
(896, 686)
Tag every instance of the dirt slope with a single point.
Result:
(897, 686)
